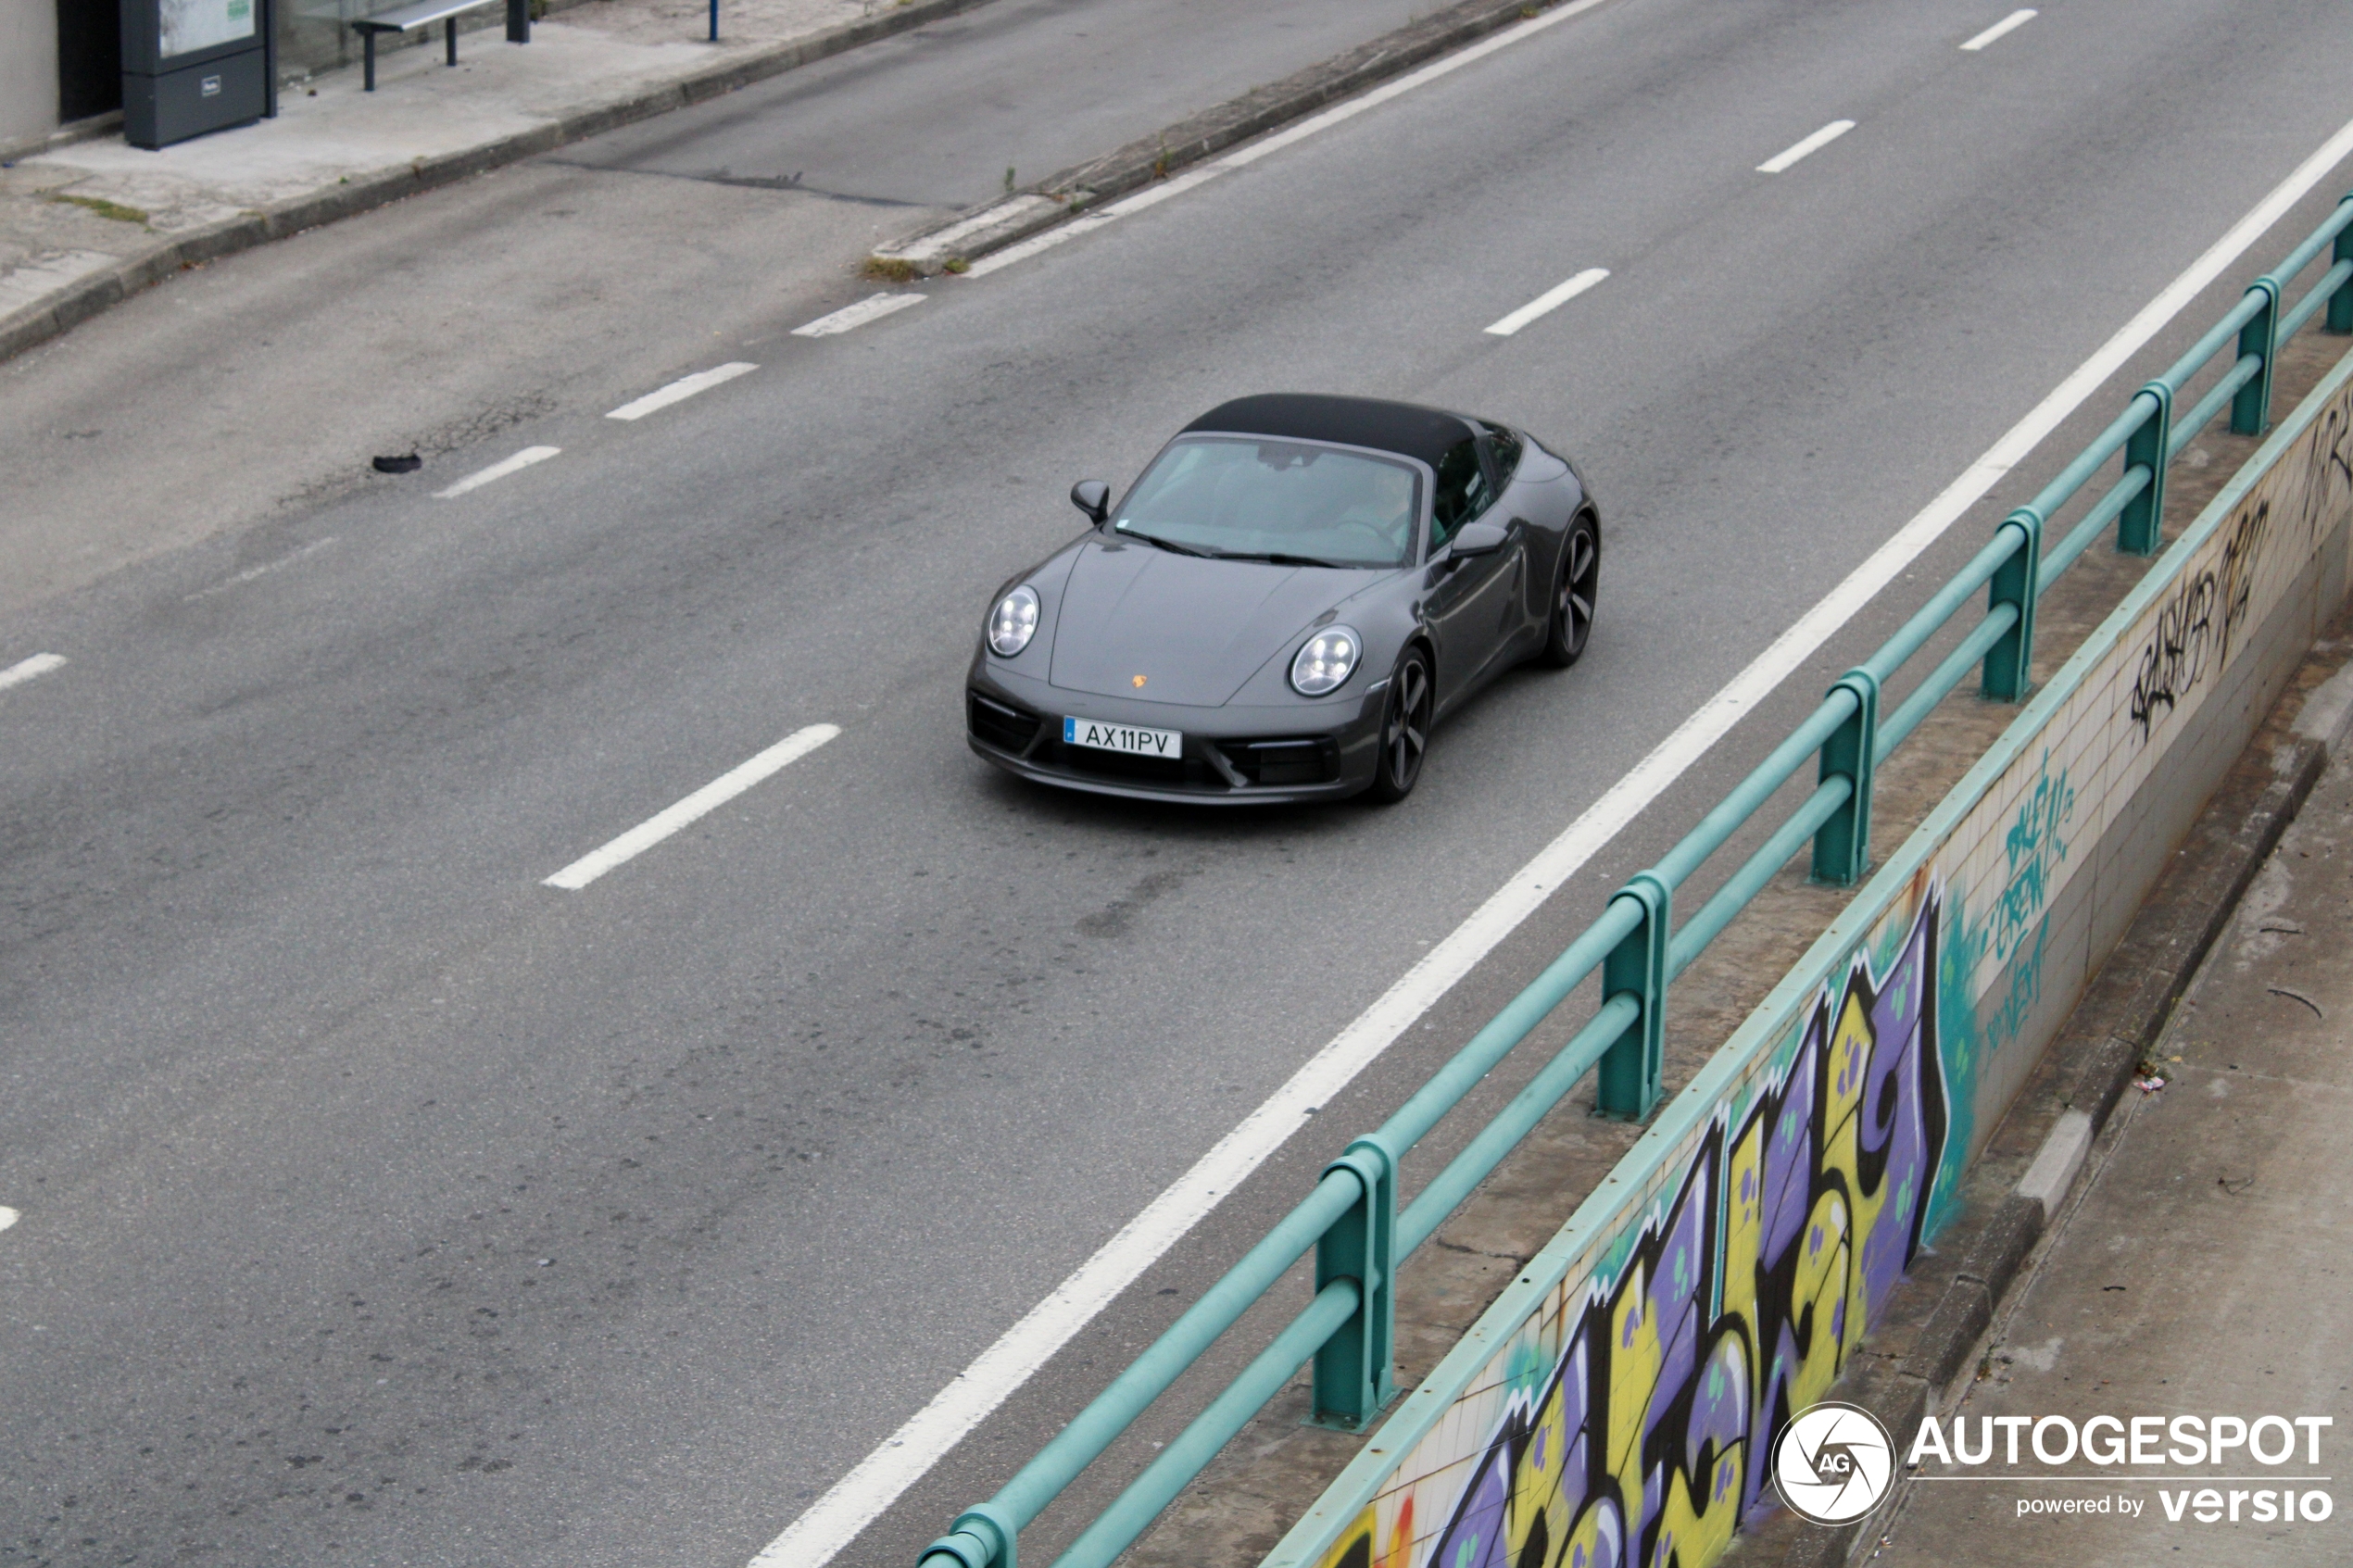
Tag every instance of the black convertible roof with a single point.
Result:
(1404, 428)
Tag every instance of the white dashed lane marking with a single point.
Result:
(26, 669)
(1812, 145)
(1153, 195)
(2008, 24)
(680, 390)
(515, 464)
(1549, 300)
(874, 308)
(712, 795)
(264, 570)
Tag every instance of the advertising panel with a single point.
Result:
(191, 25)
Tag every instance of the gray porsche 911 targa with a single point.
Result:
(1297, 589)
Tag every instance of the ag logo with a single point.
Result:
(1833, 1463)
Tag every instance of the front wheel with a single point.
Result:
(1574, 594)
(1404, 729)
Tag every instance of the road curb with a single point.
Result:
(1936, 1319)
(1007, 220)
(35, 324)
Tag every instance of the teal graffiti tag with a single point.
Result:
(2016, 1004)
(2036, 851)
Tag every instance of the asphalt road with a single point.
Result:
(381, 1204)
(954, 113)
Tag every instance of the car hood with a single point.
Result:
(1195, 629)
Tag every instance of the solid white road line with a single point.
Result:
(1813, 144)
(680, 390)
(715, 793)
(1151, 196)
(877, 1480)
(872, 308)
(1036, 242)
(515, 464)
(2008, 24)
(26, 669)
(1549, 300)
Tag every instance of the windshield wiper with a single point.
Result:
(1278, 559)
(1169, 545)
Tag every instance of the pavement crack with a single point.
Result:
(752, 182)
(1514, 1257)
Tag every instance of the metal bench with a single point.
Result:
(409, 18)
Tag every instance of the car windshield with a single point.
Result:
(1285, 501)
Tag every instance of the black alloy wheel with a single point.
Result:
(1404, 729)
(1574, 594)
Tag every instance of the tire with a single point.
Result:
(1404, 729)
(1575, 592)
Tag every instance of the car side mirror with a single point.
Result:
(1480, 539)
(1091, 496)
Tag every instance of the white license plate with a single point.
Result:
(1124, 737)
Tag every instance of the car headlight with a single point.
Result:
(1325, 661)
(1014, 621)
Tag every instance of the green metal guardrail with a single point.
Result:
(1351, 1219)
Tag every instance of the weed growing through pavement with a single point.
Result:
(106, 208)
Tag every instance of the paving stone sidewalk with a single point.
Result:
(82, 225)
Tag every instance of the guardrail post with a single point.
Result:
(2141, 528)
(2251, 409)
(1843, 845)
(1356, 1370)
(2341, 302)
(1632, 1068)
(2009, 664)
(982, 1537)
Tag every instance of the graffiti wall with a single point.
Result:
(1614, 1407)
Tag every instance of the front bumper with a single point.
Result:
(1232, 755)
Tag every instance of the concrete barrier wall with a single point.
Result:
(1616, 1403)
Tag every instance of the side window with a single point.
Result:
(1462, 492)
(1505, 447)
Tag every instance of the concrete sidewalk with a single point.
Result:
(2203, 1266)
(83, 225)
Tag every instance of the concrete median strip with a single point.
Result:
(70, 290)
(1437, 44)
